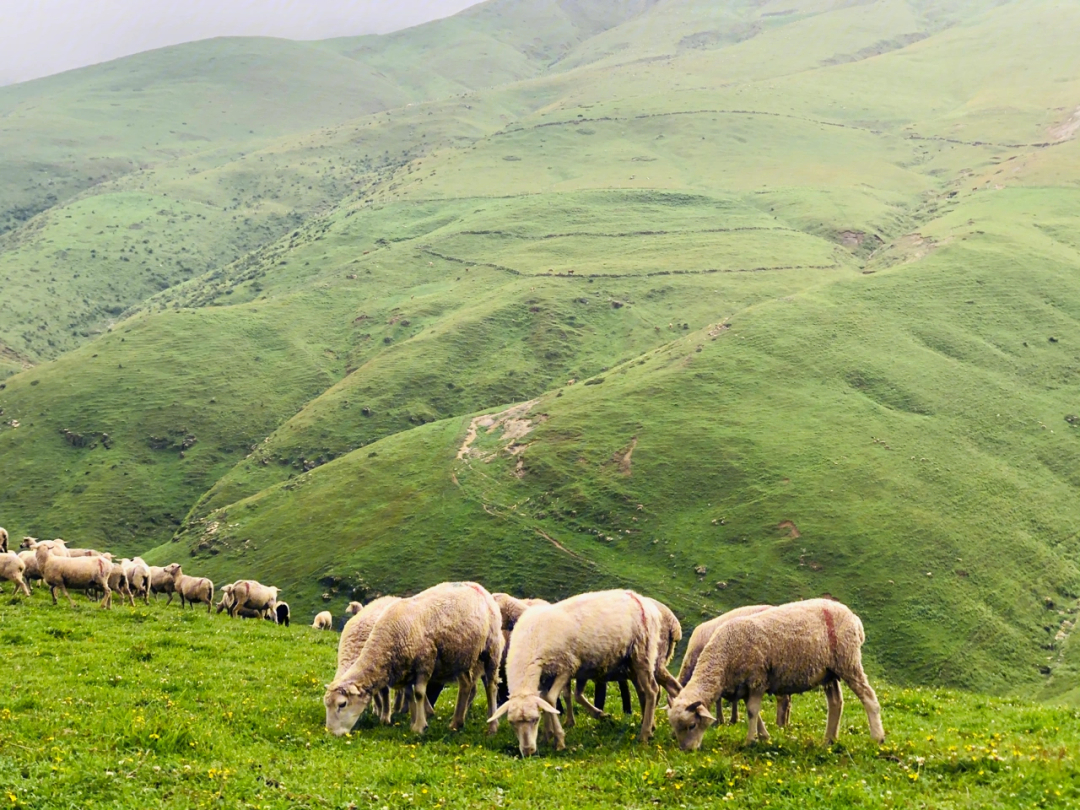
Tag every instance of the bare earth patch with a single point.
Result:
(514, 426)
(1067, 129)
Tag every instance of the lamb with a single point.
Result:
(450, 631)
(80, 573)
(191, 589)
(252, 595)
(784, 650)
(700, 637)
(281, 613)
(161, 582)
(138, 575)
(12, 568)
(323, 621)
(589, 635)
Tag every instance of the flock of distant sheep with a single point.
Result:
(529, 655)
(94, 572)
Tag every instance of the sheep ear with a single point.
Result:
(547, 707)
(499, 712)
(703, 713)
(352, 690)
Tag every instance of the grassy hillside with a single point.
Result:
(791, 289)
(179, 712)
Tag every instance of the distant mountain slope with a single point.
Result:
(805, 291)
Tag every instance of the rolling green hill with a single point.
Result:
(784, 298)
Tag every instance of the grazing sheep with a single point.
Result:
(191, 589)
(138, 575)
(671, 633)
(449, 632)
(700, 637)
(353, 638)
(281, 612)
(252, 595)
(3, 540)
(12, 568)
(785, 650)
(161, 582)
(79, 574)
(590, 635)
(323, 621)
(353, 608)
(511, 608)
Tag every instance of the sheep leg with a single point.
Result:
(22, 584)
(52, 590)
(755, 726)
(131, 597)
(783, 710)
(624, 693)
(865, 693)
(170, 599)
(491, 687)
(565, 703)
(669, 682)
(835, 698)
(466, 690)
(552, 727)
(648, 689)
(579, 696)
(383, 705)
(399, 701)
(419, 695)
(64, 590)
(106, 600)
(599, 692)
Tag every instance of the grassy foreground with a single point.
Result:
(155, 707)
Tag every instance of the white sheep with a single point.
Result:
(3, 540)
(191, 589)
(323, 621)
(511, 608)
(138, 574)
(353, 638)
(161, 582)
(251, 595)
(591, 635)
(670, 635)
(31, 571)
(700, 637)
(12, 568)
(353, 608)
(449, 632)
(118, 581)
(784, 650)
(78, 574)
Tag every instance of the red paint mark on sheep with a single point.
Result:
(830, 629)
(641, 607)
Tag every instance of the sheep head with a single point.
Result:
(689, 719)
(524, 713)
(353, 608)
(344, 705)
(173, 571)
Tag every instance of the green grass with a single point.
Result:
(183, 710)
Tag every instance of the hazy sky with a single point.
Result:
(39, 37)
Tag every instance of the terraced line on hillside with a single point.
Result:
(626, 235)
(803, 119)
(654, 274)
